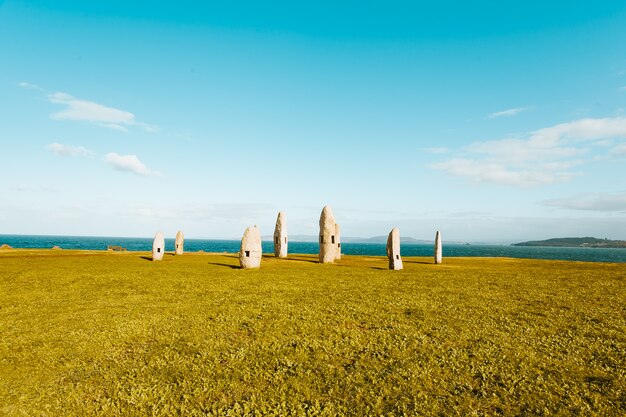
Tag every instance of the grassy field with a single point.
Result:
(88, 333)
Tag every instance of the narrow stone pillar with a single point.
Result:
(393, 249)
(327, 236)
(179, 243)
(251, 251)
(338, 240)
(438, 250)
(158, 247)
(280, 236)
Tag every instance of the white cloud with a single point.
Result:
(619, 150)
(91, 112)
(544, 156)
(69, 150)
(30, 86)
(592, 202)
(129, 163)
(508, 112)
(436, 150)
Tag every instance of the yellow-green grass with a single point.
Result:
(93, 333)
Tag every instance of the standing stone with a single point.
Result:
(438, 251)
(180, 242)
(158, 247)
(338, 240)
(393, 249)
(327, 236)
(280, 236)
(250, 252)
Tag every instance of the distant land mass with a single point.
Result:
(576, 242)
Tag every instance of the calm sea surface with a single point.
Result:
(208, 245)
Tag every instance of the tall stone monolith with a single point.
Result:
(158, 247)
(179, 243)
(251, 251)
(327, 236)
(280, 236)
(393, 249)
(338, 240)
(438, 250)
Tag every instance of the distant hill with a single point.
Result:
(576, 242)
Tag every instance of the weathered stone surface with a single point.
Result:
(393, 249)
(5, 246)
(327, 236)
(158, 247)
(250, 252)
(338, 240)
(179, 243)
(438, 249)
(280, 236)
(56, 248)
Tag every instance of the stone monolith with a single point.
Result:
(338, 240)
(158, 247)
(327, 236)
(438, 251)
(250, 252)
(393, 249)
(280, 236)
(179, 243)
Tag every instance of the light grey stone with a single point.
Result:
(393, 249)
(338, 240)
(251, 251)
(438, 249)
(280, 236)
(179, 243)
(158, 247)
(327, 236)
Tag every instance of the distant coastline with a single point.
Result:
(576, 242)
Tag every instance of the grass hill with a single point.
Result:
(112, 334)
(590, 242)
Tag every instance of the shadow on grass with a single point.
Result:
(228, 265)
(418, 262)
(299, 260)
(147, 258)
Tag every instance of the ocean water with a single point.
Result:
(373, 249)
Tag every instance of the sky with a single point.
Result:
(489, 122)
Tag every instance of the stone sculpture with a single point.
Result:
(327, 236)
(438, 251)
(280, 236)
(179, 243)
(250, 252)
(158, 247)
(338, 240)
(393, 249)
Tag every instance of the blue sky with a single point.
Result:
(487, 122)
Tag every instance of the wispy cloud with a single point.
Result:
(436, 150)
(609, 202)
(69, 150)
(619, 150)
(544, 156)
(129, 163)
(76, 109)
(508, 112)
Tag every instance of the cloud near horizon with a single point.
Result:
(129, 163)
(69, 150)
(508, 112)
(545, 156)
(608, 202)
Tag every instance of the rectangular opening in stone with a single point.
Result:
(158, 250)
(338, 245)
(397, 256)
(285, 239)
(247, 254)
(332, 239)
(276, 239)
(321, 239)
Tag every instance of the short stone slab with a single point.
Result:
(393, 249)
(251, 251)
(158, 247)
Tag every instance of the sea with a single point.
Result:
(371, 249)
